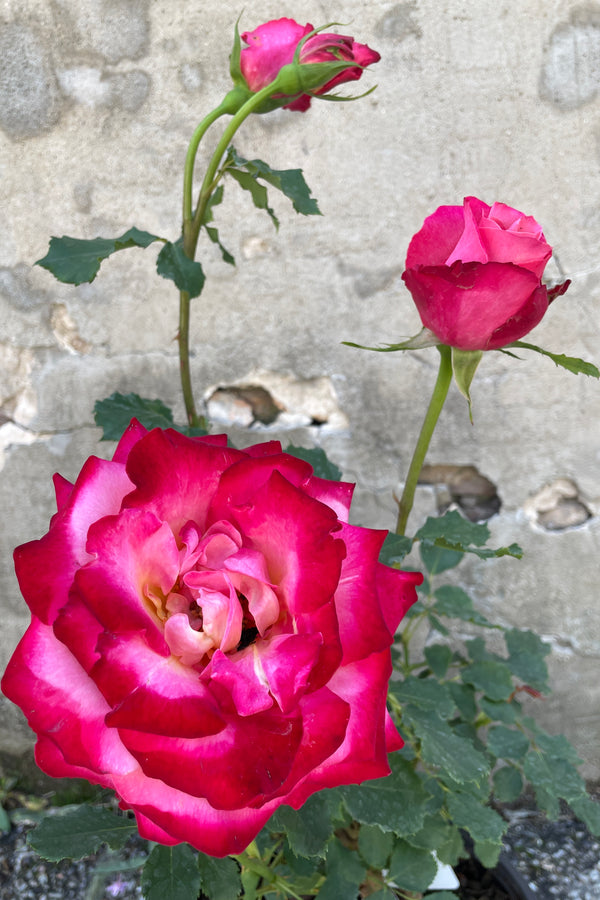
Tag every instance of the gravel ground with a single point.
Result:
(558, 860)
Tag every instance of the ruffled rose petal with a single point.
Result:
(304, 562)
(176, 476)
(244, 764)
(45, 568)
(62, 703)
(465, 304)
(135, 555)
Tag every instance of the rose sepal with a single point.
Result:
(296, 79)
(425, 338)
(464, 366)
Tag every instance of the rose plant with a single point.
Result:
(209, 636)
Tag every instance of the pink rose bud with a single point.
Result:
(323, 61)
(209, 636)
(475, 272)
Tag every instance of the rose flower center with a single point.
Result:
(222, 598)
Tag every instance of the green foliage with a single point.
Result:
(290, 182)
(412, 868)
(220, 878)
(172, 263)
(309, 828)
(345, 872)
(323, 467)
(455, 533)
(75, 261)
(395, 548)
(115, 413)
(215, 199)
(397, 803)
(172, 872)
(71, 832)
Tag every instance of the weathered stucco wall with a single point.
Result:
(499, 98)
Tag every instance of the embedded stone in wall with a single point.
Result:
(399, 23)
(65, 331)
(464, 486)
(570, 74)
(190, 77)
(557, 506)
(30, 102)
(117, 29)
(93, 87)
(264, 398)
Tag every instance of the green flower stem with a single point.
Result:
(193, 223)
(211, 177)
(438, 397)
(188, 171)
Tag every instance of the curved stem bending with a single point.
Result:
(193, 221)
(438, 397)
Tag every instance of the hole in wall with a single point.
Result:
(558, 506)
(464, 486)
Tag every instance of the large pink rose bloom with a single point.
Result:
(474, 272)
(273, 45)
(209, 636)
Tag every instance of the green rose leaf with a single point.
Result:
(114, 414)
(309, 828)
(318, 459)
(454, 533)
(555, 745)
(220, 878)
(289, 181)
(442, 747)
(464, 697)
(426, 693)
(557, 777)
(508, 784)
(396, 803)
(72, 832)
(482, 823)
(454, 529)
(345, 872)
(395, 548)
(500, 710)
(455, 603)
(436, 831)
(75, 261)
(588, 811)
(490, 676)
(411, 868)
(172, 263)
(507, 743)
(438, 657)
(487, 852)
(526, 652)
(171, 872)
(375, 846)
(439, 559)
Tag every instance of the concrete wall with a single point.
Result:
(498, 98)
